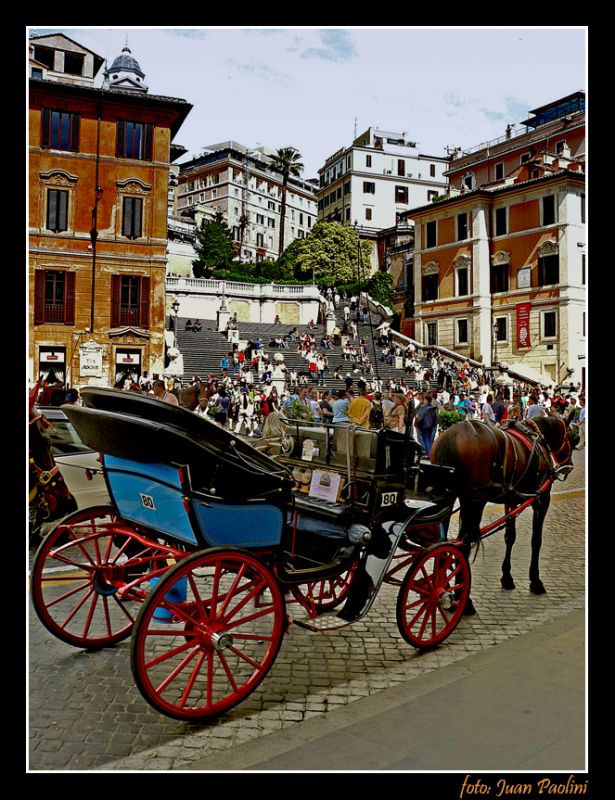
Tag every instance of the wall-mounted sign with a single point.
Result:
(51, 356)
(128, 359)
(523, 324)
(524, 278)
(90, 360)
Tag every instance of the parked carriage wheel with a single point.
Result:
(77, 573)
(207, 634)
(433, 594)
(327, 593)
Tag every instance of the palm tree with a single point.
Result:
(286, 161)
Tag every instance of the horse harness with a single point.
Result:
(530, 436)
(46, 478)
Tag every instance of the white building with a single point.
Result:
(239, 182)
(381, 175)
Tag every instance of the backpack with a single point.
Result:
(428, 419)
(376, 417)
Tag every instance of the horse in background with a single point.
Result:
(189, 396)
(505, 465)
(49, 498)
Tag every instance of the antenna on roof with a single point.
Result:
(355, 127)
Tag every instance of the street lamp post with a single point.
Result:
(495, 343)
(175, 309)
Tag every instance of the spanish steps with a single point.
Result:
(203, 351)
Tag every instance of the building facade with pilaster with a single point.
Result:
(499, 272)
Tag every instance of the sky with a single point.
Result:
(316, 88)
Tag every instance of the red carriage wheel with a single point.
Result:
(78, 571)
(433, 594)
(207, 634)
(325, 594)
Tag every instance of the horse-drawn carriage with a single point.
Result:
(211, 547)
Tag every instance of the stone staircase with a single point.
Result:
(202, 352)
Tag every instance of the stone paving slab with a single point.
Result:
(85, 712)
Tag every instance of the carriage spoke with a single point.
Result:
(177, 670)
(191, 680)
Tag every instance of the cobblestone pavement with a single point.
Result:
(85, 712)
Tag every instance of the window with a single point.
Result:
(501, 221)
(260, 240)
(347, 187)
(60, 130)
(368, 161)
(431, 235)
(462, 226)
(54, 297)
(130, 300)
(270, 205)
(401, 167)
(500, 329)
(430, 287)
(525, 158)
(431, 195)
(432, 170)
(549, 325)
(36, 72)
(462, 331)
(45, 55)
(432, 333)
(134, 140)
(132, 217)
(270, 222)
(548, 270)
(369, 187)
(73, 63)
(469, 181)
(236, 233)
(368, 213)
(463, 285)
(499, 171)
(583, 208)
(499, 278)
(548, 210)
(260, 219)
(401, 194)
(57, 210)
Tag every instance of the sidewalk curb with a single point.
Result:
(549, 641)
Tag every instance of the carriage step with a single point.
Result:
(327, 621)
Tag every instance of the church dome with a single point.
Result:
(125, 73)
(126, 62)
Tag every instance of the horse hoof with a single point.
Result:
(469, 609)
(507, 583)
(537, 588)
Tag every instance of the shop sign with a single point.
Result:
(90, 360)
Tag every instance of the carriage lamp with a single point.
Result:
(175, 309)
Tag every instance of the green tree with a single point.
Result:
(287, 161)
(214, 247)
(332, 254)
(379, 287)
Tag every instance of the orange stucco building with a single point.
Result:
(99, 158)
(499, 272)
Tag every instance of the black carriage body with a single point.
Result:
(173, 473)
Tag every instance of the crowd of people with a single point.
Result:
(243, 392)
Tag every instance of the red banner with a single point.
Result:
(523, 324)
